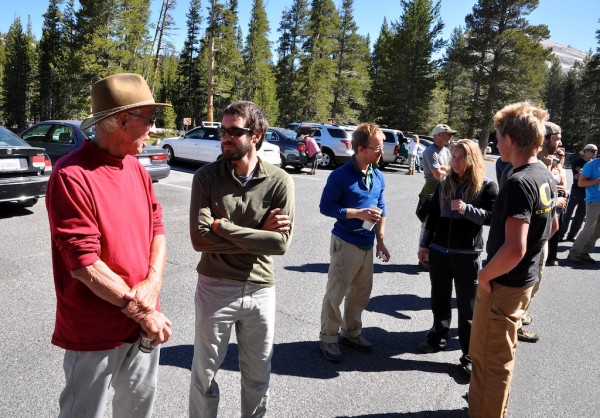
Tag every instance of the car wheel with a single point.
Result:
(328, 160)
(170, 154)
(297, 167)
(29, 202)
(283, 164)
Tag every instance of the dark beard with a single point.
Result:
(240, 152)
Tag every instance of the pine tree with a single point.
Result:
(131, 35)
(506, 57)
(53, 66)
(17, 77)
(590, 95)
(259, 80)
(293, 35)
(553, 90)
(456, 83)
(317, 68)
(2, 64)
(352, 79)
(191, 96)
(380, 103)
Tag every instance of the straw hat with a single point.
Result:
(117, 93)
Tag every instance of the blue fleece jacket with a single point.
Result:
(346, 188)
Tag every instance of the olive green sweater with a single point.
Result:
(239, 249)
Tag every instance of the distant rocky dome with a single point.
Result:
(567, 55)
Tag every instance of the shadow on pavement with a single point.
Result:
(457, 413)
(392, 305)
(12, 209)
(304, 358)
(411, 269)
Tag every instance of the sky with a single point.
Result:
(571, 22)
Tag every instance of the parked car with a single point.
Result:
(335, 143)
(203, 145)
(295, 125)
(391, 146)
(60, 137)
(292, 152)
(24, 170)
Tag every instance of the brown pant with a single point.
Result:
(496, 319)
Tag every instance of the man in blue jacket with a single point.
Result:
(353, 196)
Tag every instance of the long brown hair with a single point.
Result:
(473, 176)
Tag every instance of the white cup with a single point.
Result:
(369, 225)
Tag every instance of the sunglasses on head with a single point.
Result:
(234, 131)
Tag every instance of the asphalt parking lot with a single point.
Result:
(555, 377)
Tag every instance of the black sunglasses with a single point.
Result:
(234, 131)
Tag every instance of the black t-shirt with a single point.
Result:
(576, 167)
(530, 195)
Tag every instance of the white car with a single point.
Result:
(203, 145)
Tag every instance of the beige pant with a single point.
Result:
(351, 278)
(493, 347)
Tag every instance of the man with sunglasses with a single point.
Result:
(353, 196)
(108, 257)
(586, 239)
(241, 214)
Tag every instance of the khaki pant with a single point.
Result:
(496, 319)
(351, 278)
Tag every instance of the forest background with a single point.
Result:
(319, 68)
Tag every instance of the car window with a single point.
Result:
(212, 135)
(337, 133)
(63, 134)
(389, 137)
(317, 134)
(9, 139)
(271, 136)
(195, 133)
(38, 133)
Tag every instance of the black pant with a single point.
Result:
(443, 269)
(576, 204)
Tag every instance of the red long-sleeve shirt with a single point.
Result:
(100, 208)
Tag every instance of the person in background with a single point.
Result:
(552, 140)
(413, 156)
(576, 203)
(522, 221)
(586, 239)
(560, 177)
(313, 151)
(108, 257)
(436, 163)
(241, 214)
(353, 196)
(453, 237)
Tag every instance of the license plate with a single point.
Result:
(145, 161)
(9, 164)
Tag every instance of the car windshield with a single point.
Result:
(289, 133)
(9, 139)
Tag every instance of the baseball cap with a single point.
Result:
(551, 129)
(590, 146)
(442, 128)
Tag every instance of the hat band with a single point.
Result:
(120, 108)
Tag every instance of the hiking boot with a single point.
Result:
(465, 364)
(428, 348)
(359, 342)
(527, 336)
(575, 259)
(331, 351)
(586, 258)
(526, 319)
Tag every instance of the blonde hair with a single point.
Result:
(473, 176)
(524, 123)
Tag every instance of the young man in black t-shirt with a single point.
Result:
(523, 220)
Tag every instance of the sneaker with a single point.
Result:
(575, 259)
(428, 348)
(331, 351)
(527, 336)
(359, 342)
(552, 263)
(526, 319)
(571, 239)
(586, 258)
(465, 364)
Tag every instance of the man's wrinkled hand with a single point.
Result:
(277, 222)
(156, 327)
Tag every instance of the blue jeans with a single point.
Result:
(221, 304)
